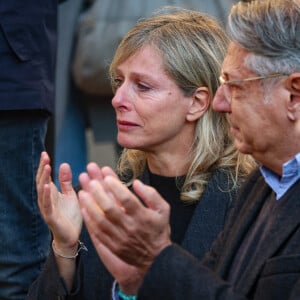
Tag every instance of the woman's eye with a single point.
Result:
(143, 87)
(117, 82)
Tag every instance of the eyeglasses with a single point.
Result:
(226, 84)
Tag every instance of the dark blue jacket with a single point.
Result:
(27, 54)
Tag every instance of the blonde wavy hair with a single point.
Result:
(193, 46)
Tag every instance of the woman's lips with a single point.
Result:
(126, 125)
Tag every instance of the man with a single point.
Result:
(257, 256)
(27, 65)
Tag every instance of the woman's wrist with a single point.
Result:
(68, 252)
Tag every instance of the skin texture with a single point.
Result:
(61, 212)
(153, 114)
(262, 111)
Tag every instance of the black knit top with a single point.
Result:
(181, 212)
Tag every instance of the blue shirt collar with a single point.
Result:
(290, 174)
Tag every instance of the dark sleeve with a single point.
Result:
(189, 279)
(211, 257)
(49, 284)
(295, 293)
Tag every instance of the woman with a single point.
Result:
(164, 75)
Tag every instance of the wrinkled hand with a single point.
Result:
(129, 277)
(60, 210)
(117, 219)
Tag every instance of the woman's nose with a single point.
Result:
(120, 97)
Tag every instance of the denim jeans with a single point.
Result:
(25, 238)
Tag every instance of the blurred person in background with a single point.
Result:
(28, 31)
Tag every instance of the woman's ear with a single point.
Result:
(199, 104)
(293, 86)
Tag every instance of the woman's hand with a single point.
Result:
(60, 210)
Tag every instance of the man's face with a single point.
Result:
(256, 110)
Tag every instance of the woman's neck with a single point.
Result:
(168, 165)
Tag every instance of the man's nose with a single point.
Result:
(220, 103)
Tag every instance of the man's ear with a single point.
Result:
(199, 104)
(293, 86)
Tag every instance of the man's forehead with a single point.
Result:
(234, 61)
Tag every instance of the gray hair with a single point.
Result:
(270, 30)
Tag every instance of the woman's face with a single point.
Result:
(150, 108)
